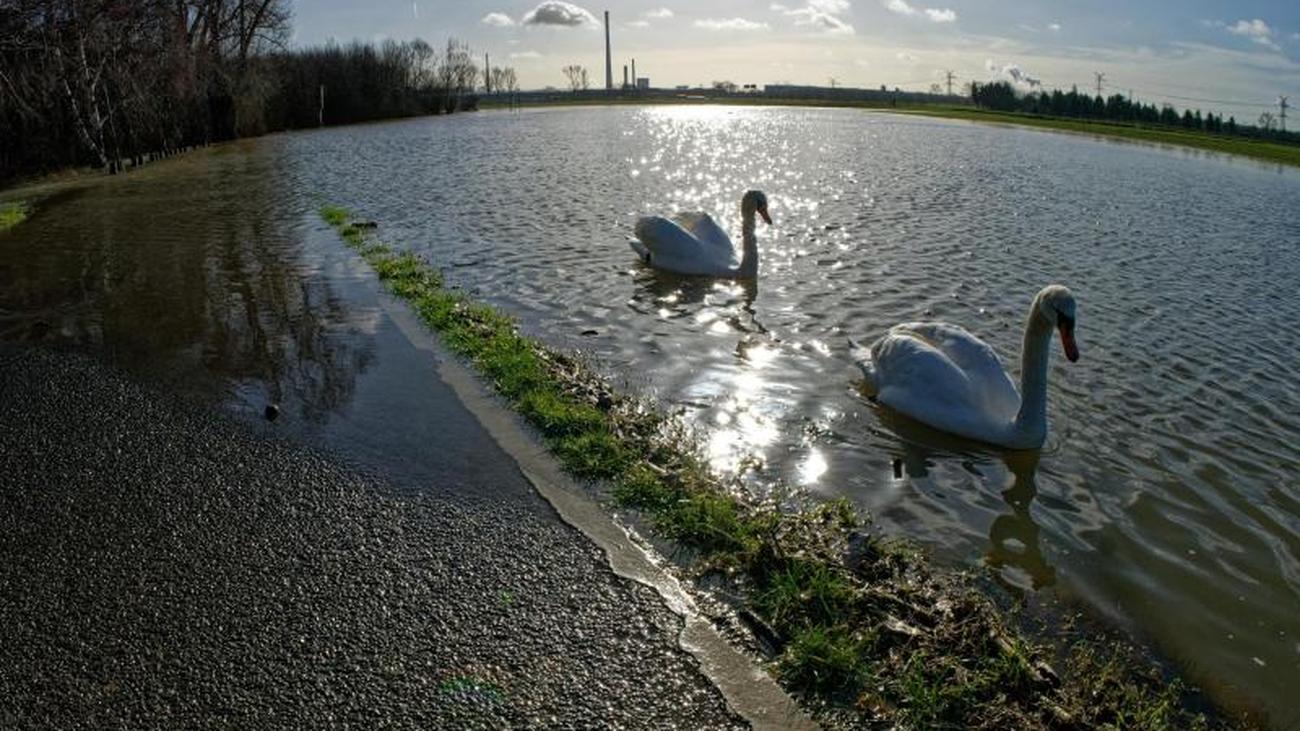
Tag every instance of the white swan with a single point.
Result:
(944, 377)
(692, 243)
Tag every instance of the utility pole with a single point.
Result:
(1282, 107)
(1100, 78)
(950, 76)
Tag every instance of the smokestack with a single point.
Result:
(624, 76)
(609, 63)
(487, 73)
(634, 73)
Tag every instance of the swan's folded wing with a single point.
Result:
(981, 365)
(672, 247)
(703, 227)
(918, 379)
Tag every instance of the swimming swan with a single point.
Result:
(944, 377)
(692, 243)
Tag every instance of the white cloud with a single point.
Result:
(560, 13)
(1054, 27)
(499, 20)
(729, 24)
(900, 7)
(1013, 73)
(905, 57)
(525, 55)
(1256, 30)
(649, 15)
(936, 15)
(822, 15)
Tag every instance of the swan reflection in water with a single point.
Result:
(1014, 552)
(720, 303)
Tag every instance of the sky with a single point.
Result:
(1230, 57)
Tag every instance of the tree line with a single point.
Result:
(117, 82)
(1002, 96)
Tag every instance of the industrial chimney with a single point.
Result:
(609, 67)
(633, 73)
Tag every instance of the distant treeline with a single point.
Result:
(115, 82)
(1002, 96)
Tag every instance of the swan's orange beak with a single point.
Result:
(1067, 341)
(766, 218)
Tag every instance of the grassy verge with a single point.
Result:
(12, 214)
(863, 630)
(1257, 149)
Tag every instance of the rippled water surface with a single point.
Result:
(1168, 496)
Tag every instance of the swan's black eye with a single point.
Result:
(1064, 321)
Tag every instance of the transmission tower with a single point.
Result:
(950, 75)
(1282, 107)
(1100, 78)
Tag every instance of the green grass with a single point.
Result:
(1258, 149)
(12, 214)
(866, 633)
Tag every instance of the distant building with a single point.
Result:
(643, 82)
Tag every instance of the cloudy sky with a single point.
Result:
(1235, 57)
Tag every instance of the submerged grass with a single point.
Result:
(12, 214)
(860, 627)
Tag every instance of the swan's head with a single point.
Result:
(1056, 304)
(755, 202)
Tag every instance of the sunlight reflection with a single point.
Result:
(812, 468)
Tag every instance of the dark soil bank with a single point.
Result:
(164, 566)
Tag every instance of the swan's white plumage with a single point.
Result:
(942, 376)
(672, 246)
(703, 227)
(693, 243)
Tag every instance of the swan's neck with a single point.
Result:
(1031, 423)
(749, 246)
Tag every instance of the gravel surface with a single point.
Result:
(163, 565)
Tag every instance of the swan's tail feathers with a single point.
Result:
(861, 356)
(640, 249)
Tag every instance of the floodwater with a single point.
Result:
(1167, 497)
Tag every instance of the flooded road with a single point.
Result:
(1168, 496)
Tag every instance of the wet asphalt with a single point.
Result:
(164, 564)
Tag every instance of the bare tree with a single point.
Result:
(577, 76)
(457, 73)
(504, 79)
